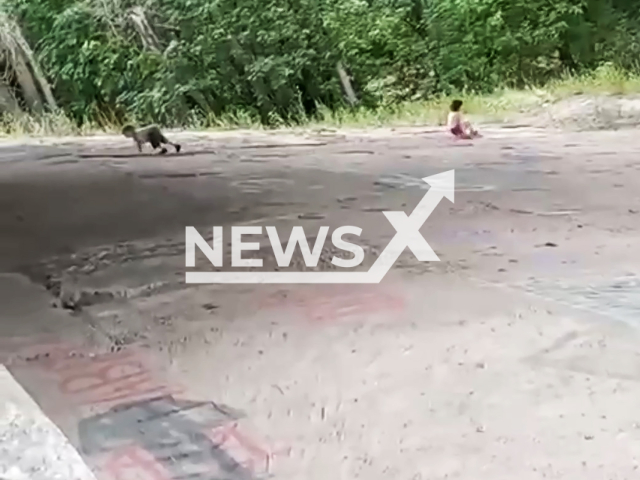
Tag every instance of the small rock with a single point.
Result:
(548, 244)
(310, 216)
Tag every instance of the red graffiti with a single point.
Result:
(133, 463)
(240, 447)
(334, 304)
(108, 378)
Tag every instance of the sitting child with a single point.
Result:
(457, 125)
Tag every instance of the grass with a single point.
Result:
(46, 125)
(605, 80)
(501, 106)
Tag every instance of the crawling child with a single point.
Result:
(457, 125)
(152, 135)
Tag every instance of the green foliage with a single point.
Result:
(274, 61)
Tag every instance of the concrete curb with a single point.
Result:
(32, 447)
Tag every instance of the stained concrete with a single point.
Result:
(515, 356)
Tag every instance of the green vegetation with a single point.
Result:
(249, 63)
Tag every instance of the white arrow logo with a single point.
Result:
(407, 234)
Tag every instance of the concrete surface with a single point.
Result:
(516, 356)
(31, 446)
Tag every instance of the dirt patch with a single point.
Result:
(589, 112)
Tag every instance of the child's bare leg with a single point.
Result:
(469, 130)
(158, 145)
(474, 133)
(174, 145)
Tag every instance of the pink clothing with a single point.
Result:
(457, 130)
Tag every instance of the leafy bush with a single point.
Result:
(275, 60)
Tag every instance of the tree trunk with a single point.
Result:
(40, 79)
(346, 84)
(28, 87)
(147, 35)
(18, 56)
(8, 102)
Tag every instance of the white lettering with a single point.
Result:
(283, 258)
(212, 252)
(237, 246)
(357, 250)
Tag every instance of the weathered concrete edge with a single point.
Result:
(31, 445)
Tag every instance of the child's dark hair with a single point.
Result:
(128, 130)
(455, 105)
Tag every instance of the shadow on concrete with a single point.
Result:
(53, 212)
